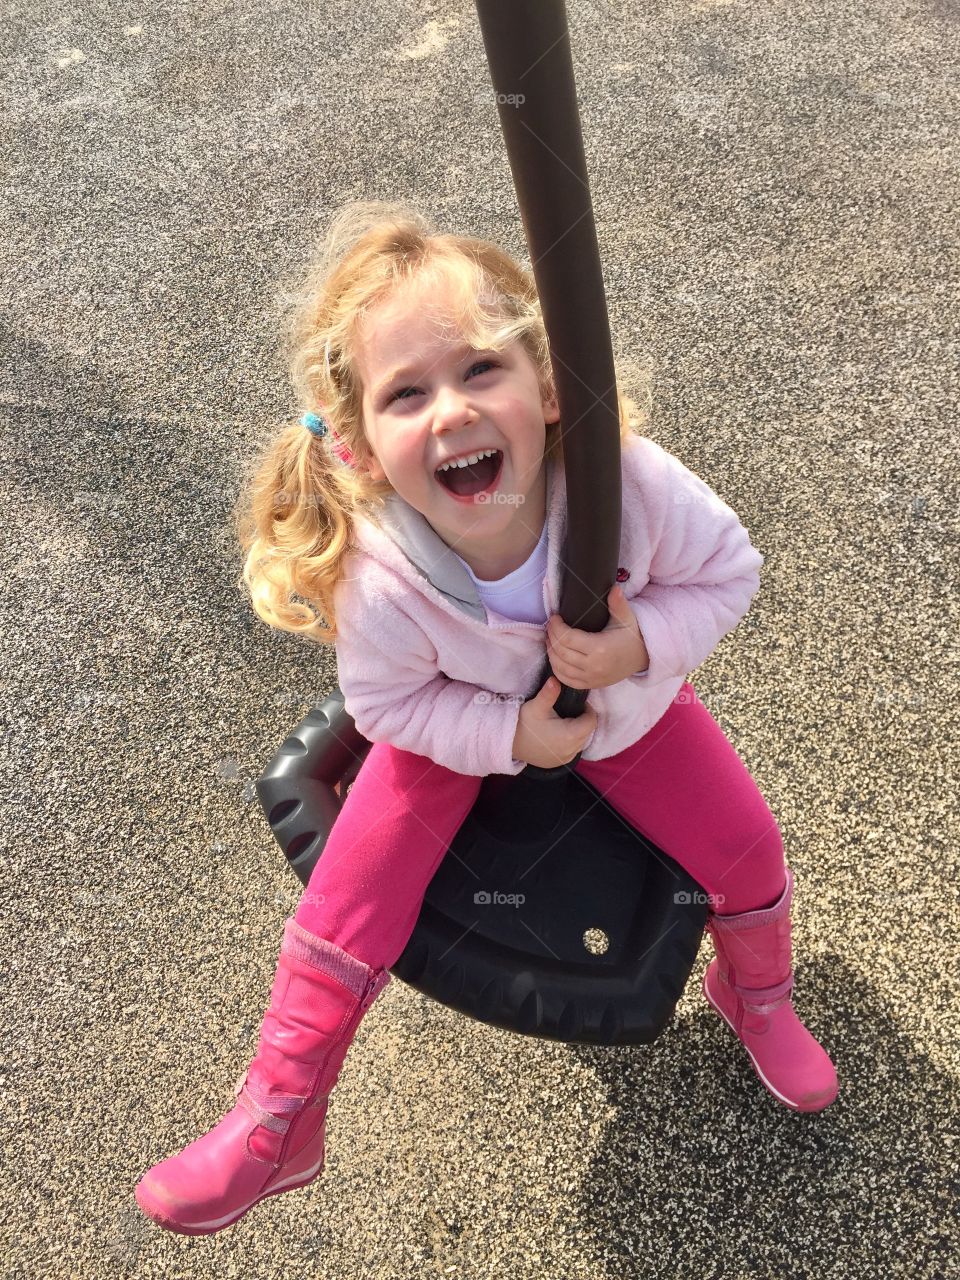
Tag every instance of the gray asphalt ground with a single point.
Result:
(775, 190)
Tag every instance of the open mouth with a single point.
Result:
(474, 478)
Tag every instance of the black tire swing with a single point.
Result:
(604, 949)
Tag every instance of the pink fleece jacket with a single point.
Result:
(424, 665)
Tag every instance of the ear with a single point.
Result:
(374, 469)
(551, 410)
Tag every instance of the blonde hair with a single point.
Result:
(294, 517)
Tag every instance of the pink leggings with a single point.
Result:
(682, 785)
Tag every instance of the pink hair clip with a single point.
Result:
(320, 427)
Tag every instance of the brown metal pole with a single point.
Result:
(528, 51)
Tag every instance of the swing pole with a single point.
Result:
(528, 52)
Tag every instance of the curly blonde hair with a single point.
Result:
(294, 516)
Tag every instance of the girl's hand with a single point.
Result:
(595, 659)
(545, 739)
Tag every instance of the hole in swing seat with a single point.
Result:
(596, 942)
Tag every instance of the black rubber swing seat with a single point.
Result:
(585, 933)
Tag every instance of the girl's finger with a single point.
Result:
(572, 682)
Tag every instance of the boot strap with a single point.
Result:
(765, 999)
(287, 1107)
(276, 1124)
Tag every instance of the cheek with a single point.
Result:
(406, 452)
(521, 416)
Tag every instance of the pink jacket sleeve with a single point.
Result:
(395, 692)
(703, 570)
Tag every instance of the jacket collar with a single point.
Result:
(422, 546)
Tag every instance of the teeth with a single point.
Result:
(465, 462)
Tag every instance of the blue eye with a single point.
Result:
(401, 394)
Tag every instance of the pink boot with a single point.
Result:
(273, 1139)
(749, 984)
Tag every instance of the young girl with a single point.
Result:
(420, 506)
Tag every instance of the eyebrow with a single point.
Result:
(405, 371)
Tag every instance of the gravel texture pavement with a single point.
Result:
(775, 188)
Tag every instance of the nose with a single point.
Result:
(451, 411)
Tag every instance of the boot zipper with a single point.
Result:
(369, 993)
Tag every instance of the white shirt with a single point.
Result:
(519, 595)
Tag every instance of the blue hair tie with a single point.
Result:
(313, 422)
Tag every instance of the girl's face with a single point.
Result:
(428, 399)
